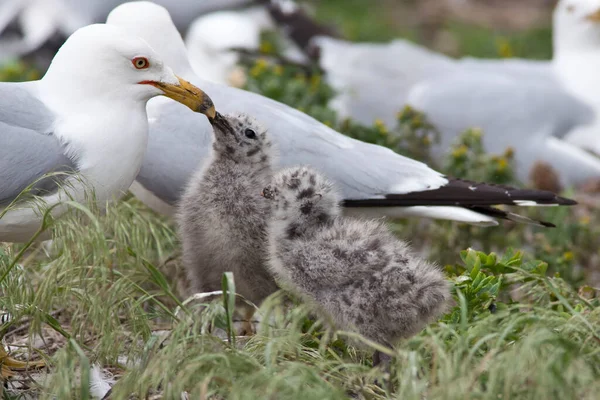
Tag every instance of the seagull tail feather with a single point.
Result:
(464, 193)
(477, 197)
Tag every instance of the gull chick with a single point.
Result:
(356, 271)
(222, 217)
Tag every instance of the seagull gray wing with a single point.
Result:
(362, 170)
(372, 80)
(530, 114)
(179, 142)
(540, 70)
(28, 148)
(368, 176)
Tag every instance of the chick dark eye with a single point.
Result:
(250, 134)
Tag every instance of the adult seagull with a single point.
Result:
(49, 22)
(373, 179)
(546, 110)
(87, 116)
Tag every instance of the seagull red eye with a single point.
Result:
(140, 62)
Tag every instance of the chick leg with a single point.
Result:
(8, 364)
(384, 361)
(247, 329)
(381, 359)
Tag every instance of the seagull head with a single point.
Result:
(577, 25)
(241, 138)
(153, 23)
(209, 38)
(104, 63)
(301, 194)
(213, 42)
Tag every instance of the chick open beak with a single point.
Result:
(594, 17)
(189, 95)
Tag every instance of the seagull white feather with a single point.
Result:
(86, 115)
(365, 173)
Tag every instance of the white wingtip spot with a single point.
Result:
(531, 203)
(434, 182)
(525, 203)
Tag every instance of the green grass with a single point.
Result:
(542, 341)
(384, 20)
(360, 21)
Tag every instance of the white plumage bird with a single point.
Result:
(86, 116)
(373, 179)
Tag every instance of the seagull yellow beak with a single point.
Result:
(594, 17)
(187, 94)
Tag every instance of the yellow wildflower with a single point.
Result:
(502, 164)
(259, 67)
(460, 151)
(278, 70)
(266, 47)
(315, 81)
(505, 49)
(380, 126)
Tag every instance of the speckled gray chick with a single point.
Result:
(222, 216)
(355, 271)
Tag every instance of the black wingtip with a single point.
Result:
(564, 201)
(461, 192)
(510, 216)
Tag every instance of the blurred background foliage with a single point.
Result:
(522, 294)
(478, 28)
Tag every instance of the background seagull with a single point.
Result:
(42, 22)
(373, 179)
(86, 115)
(211, 38)
(545, 110)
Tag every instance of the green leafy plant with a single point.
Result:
(18, 71)
(468, 159)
